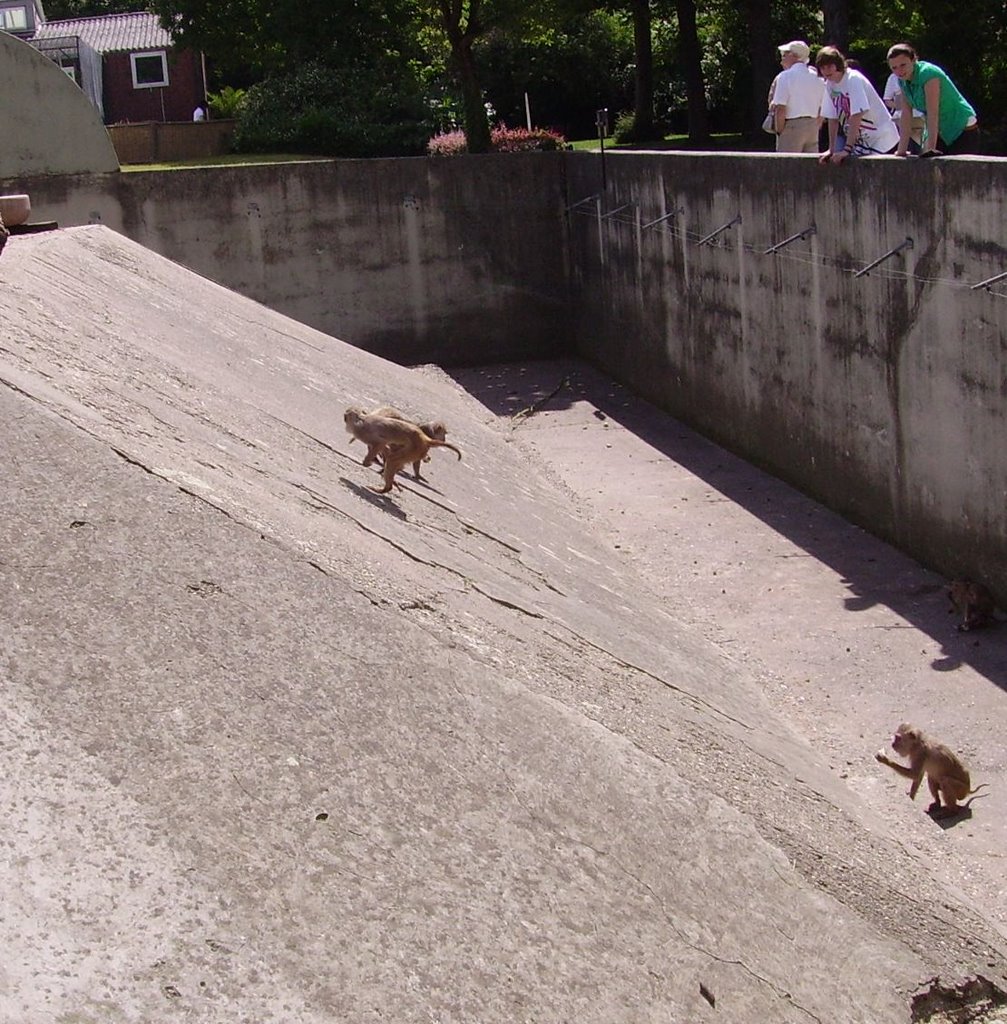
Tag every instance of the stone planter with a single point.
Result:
(14, 210)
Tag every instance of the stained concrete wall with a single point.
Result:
(47, 125)
(884, 394)
(456, 261)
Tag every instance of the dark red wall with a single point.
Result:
(124, 103)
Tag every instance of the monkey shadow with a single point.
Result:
(874, 572)
(951, 820)
(382, 501)
(962, 648)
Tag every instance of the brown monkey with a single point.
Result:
(946, 776)
(434, 429)
(398, 441)
(974, 602)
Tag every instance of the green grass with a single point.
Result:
(728, 142)
(227, 160)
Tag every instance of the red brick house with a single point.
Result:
(127, 65)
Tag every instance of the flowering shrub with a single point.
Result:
(520, 140)
(447, 144)
(502, 139)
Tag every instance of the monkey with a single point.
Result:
(399, 442)
(946, 776)
(434, 429)
(974, 602)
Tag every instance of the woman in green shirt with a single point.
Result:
(949, 116)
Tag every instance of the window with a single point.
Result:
(14, 19)
(150, 70)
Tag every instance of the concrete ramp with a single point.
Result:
(281, 749)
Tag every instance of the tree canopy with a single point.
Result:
(661, 63)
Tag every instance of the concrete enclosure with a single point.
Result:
(455, 261)
(881, 394)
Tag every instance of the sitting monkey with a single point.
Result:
(947, 777)
(974, 602)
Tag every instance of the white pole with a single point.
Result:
(527, 111)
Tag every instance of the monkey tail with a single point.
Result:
(434, 443)
(982, 785)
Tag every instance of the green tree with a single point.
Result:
(466, 25)
(62, 10)
(463, 22)
(281, 35)
(568, 71)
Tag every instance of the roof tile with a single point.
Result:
(110, 33)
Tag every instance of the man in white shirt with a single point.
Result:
(797, 100)
(859, 122)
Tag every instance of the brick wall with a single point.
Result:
(176, 102)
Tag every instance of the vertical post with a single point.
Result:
(601, 119)
(527, 111)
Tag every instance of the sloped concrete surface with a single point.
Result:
(845, 635)
(279, 748)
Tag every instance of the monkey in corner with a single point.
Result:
(973, 602)
(434, 429)
(947, 777)
(399, 442)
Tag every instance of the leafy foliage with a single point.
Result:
(62, 10)
(277, 36)
(396, 71)
(348, 111)
(569, 71)
(227, 103)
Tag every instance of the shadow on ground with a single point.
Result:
(874, 572)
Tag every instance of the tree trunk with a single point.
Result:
(643, 79)
(764, 57)
(477, 125)
(462, 39)
(691, 55)
(836, 14)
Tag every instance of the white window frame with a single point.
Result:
(7, 21)
(133, 57)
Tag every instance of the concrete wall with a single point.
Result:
(47, 125)
(883, 395)
(457, 260)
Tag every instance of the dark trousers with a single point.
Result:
(970, 141)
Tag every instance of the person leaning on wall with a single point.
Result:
(859, 122)
(797, 100)
(949, 118)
